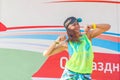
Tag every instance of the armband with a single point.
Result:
(56, 42)
(94, 26)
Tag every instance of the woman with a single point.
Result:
(79, 47)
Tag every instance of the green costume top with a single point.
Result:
(81, 53)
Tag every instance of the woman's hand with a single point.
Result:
(61, 38)
(55, 47)
(87, 28)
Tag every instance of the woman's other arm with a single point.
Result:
(56, 47)
(98, 29)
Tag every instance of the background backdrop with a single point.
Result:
(28, 27)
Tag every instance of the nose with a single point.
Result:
(77, 26)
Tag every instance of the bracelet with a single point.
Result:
(94, 26)
(56, 42)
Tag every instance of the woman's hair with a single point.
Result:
(72, 35)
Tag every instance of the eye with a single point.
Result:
(70, 26)
(75, 24)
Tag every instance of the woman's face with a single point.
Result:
(75, 26)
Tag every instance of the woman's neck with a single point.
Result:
(78, 34)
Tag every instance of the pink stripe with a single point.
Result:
(29, 33)
(110, 38)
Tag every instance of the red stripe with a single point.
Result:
(26, 27)
(101, 1)
(2, 27)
